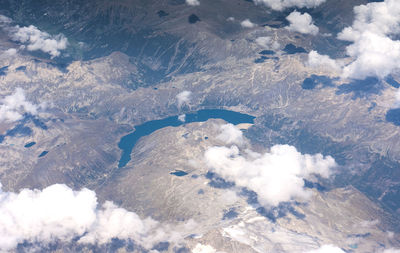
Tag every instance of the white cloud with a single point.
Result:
(13, 107)
(247, 24)
(327, 249)
(230, 134)
(301, 23)
(182, 117)
(39, 216)
(230, 19)
(10, 52)
(369, 223)
(276, 176)
(38, 40)
(34, 39)
(193, 2)
(392, 250)
(267, 42)
(374, 55)
(4, 20)
(200, 248)
(113, 222)
(316, 60)
(183, 98)
(229, 197)
(280, 5)
(59, 213)
(263, 41)
(373, 49)
(397, 100)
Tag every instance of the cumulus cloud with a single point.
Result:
(10, 52)
(60, 213)
(193, 2)
(230, 134)
(14, 106)
(373, 49)
(200, 248)
(301, 23)
(392, 250)
(316, 60)
(183, 98)
(327, 249)
(182, 117)
(113, 222)
(33, 39)
(373, 55)
(267, 42)
(369, 223)
(397, 99)
(4, 20)
(276, 176)
(280, 5)
(38, 216)
(247, 24)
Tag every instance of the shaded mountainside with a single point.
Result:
(159, 36)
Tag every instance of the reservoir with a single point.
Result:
(127, 142)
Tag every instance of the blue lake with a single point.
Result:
(179, 173)
(30, 144)
(127, 142)
(43, 153)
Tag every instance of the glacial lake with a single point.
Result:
(128, 141)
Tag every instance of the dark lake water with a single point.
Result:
(127, 142)
(179, 173)
(43, 153)
(29, 144)
(267, 52)
(292, 49)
